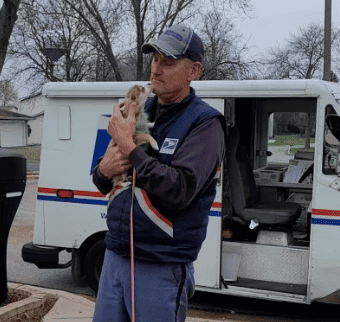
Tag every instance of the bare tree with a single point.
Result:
(301, 57)
(223, 52)
(149, 18)
(49, 44)
(8, 17)
(152, 17)
(233, 7)
(8, 93)
(100, 39)
(163, 14)
(100, 69)
(103, 28)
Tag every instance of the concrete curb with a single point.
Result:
(288, 152)
(33, 175)
(30, 305)
(190, 319)
(68, 307)
(312, 145)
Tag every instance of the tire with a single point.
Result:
(93, 264)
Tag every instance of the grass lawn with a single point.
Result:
(290, 139)
(29, 152)
(294, 150)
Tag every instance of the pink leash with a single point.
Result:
(133, 312)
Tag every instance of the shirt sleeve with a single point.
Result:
(194, 162)
(103, 184)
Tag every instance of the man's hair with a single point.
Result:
(200, 68)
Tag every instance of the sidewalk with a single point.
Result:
(68, 308)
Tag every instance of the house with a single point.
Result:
(33, 106)
(10, 107)
(13, 129)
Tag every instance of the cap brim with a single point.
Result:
(149, 48)
(162, 48)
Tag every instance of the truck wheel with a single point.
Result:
(93, 264)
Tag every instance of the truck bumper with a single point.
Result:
(43, 257)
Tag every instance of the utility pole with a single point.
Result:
(327, 41)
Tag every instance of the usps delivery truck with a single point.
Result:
(274, 227)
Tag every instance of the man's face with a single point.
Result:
(171, 78)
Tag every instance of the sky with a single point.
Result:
(275, 20)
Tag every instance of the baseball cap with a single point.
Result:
(177, 42)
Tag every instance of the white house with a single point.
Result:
(33, 106)
(13, 129)
(10, 107)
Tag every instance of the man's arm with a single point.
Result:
(194, 163)
(115, 160)
(113, 163)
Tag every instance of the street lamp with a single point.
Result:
(52, 53)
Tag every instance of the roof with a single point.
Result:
(8, 107)
(38, 114)
(30, 96)
(242, 88)
(7, 115)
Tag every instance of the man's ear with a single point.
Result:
(195, 70)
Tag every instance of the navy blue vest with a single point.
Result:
(159, 233)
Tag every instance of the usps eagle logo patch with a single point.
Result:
(169, 146)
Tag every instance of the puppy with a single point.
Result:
(138, 94)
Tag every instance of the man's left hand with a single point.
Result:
(122, 129)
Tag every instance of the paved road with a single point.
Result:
(279, 154)
(207, 305)
(21, 233)
(33, 165)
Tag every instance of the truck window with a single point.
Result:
(291, 135)
(331, 146)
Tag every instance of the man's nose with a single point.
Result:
(156, 68)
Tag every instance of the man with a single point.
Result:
(175, 189)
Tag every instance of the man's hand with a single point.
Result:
(114, 162)
(122, 129)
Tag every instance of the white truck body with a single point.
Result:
(70, 212)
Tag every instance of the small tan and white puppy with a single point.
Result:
(139, 95)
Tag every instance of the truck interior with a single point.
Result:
(266, 202)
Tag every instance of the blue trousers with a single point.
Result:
(162, 290)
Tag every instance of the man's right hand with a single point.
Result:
(114, 162)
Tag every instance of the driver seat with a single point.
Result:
(244, 191)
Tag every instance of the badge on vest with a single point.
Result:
(169, 146)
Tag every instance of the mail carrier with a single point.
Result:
(274, 226)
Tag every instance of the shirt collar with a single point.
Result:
(156, 109)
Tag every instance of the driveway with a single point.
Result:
(33, 165)
(279, 154)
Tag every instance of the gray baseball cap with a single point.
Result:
(177, 42)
